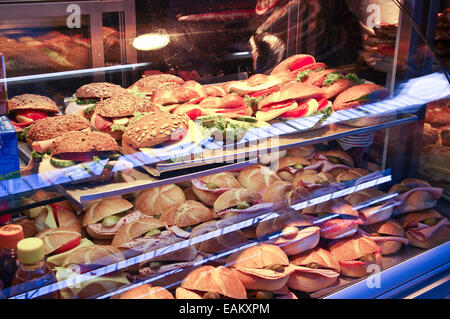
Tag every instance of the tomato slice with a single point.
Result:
(277, 106)
(299, 111)
(70, 245)
(239, 111)
(31, 114)
(194, 113)
(264, 92)
(102, 123)
(299, 63)
(323, 102)
(196, 100)
(21, 125)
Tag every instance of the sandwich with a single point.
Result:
(170, 98)
(149, 234)
(356, 254)
(220, 243)
(230, 106)
(54, 217)
(40, 196)
(240, 201)
(187, 215)
(282, 293)
(208, 188)
(288, 166)
(25, 109)
(146, 291)
(87, 259)
(388, 234)
(261, 267)
(312, 179)
(154, 130)
(426, 229)
(313, 270)
(374, 213)
(208, 282)
(283, 194)
(257, 177)
(104, 218)
(292, 101)
(358, 95)
(155, 201)
(333, 81)
(87, 96)
(292, 232)
(337, 157)
(73, 148)
(113, 115)
(41, 134)
(336, 218)
(415, 195)
(149, 84)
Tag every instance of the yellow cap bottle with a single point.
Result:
(30, 251)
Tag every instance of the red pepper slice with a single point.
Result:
(299, 63)
(323, 102)
(264, 92)
(66, 247)
(194, 113)
(31, 114)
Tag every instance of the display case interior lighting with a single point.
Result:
(151, 41)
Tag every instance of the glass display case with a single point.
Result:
(224, 149)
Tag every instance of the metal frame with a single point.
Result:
(93, 9)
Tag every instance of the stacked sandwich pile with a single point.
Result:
(300, 250)
(435, 153)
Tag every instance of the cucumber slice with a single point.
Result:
(110, 221)
(61, 163)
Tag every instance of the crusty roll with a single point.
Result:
(426, 229)
(257, 177)
(288, 166)
(219, 243)
(187, 214)
(314, 270)
(351, 174)
(358, 95)
(290, 64)
(105, 207)
(128, 232)
(208, 188)
(146, 291)
(150, 84)
(155, 201)
(374, 213)
(307, 152)
(355, 254)
(97, 255)
(32, 102)
(261, 267)
(182, 293)
(227, 204)
(297, 233)
(55, 238)
(212, 281)
(311, 177)
(63, 218)
(388, 234)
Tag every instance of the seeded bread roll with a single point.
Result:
(51, 127)
(124, 105)
(152, 83)
(154, 129)
(82, 142)
(99, 90)
(32, 102)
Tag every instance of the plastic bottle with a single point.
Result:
(33, 271)
(10, 235)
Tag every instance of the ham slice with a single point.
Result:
(258, 208)
(325, 166)
(328, 273)
(424, 232)
(202, 186)
(381, 239)
(338, 228)
(435, 192)
(160, 240)
(98, 228)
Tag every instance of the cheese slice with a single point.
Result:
(50, 220)
(242, 88)
(108, 282)
(313, 105)
(271, 114)
(121, 121)
(58, 259)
